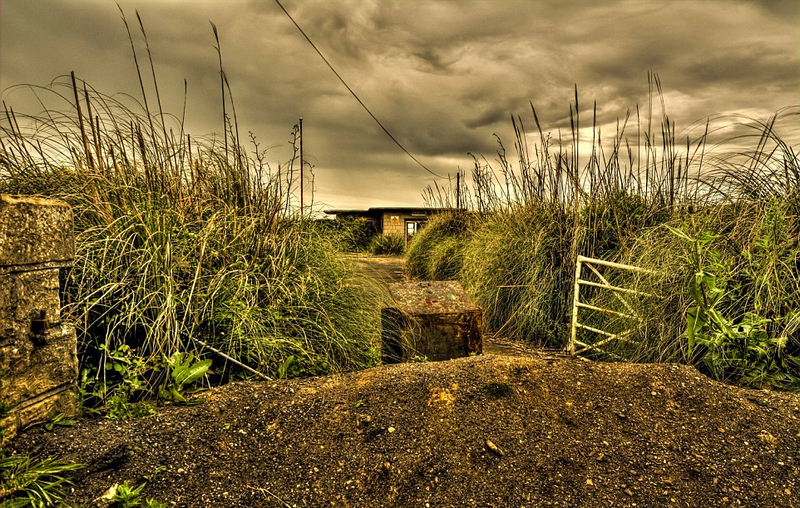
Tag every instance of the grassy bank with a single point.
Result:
(717, 225)
(184, 244)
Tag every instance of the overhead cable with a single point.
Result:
(423, 166)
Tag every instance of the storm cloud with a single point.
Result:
(443, 76)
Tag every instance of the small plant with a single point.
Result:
(60, 420)
(387, 244)
(125, 495)
(117, 395)
(183, 371)
(27, 482)
(284, 366)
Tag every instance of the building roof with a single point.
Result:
(381, 209)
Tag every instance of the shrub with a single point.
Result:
(351, 234)
(387, 244)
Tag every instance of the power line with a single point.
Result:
(423, 166)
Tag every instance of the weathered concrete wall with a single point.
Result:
(434, 320)
(38, 352)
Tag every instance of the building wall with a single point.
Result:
(394, 222)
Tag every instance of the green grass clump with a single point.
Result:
(436, 252)
(182, 243)
(25, 481)
(513, 267)
(387, 244)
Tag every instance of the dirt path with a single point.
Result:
(383, 269)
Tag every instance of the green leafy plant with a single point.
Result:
(183, 371)
(25, 482)
(121, 393)
(741, 350)
(60, 420)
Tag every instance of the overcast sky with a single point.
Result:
(442, 75)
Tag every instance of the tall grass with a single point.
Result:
(184, 242)
(437, 250)
(535, 212)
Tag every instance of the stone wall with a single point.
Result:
(38, 352)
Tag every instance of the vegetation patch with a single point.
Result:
(185, 246)
(533, 215)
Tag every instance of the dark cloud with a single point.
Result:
(442, 75)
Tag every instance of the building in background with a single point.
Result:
(396, 221)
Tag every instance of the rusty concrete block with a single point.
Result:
(432, 320)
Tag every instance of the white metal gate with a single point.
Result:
(618, 292)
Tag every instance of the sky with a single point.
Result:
(443, 76)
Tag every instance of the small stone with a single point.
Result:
(495, 449)
(391, 429)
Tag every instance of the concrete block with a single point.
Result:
(35, 230)
(38, 352)
(433, 320)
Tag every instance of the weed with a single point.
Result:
(183, 371)
(35, 483)
(60, 420)
(125, 495)
(742, 351)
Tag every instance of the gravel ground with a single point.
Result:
(490, 431)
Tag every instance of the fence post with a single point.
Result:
(573, 329)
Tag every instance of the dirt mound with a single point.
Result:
(483, 431)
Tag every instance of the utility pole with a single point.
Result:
(458, 189)
(301, 166)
